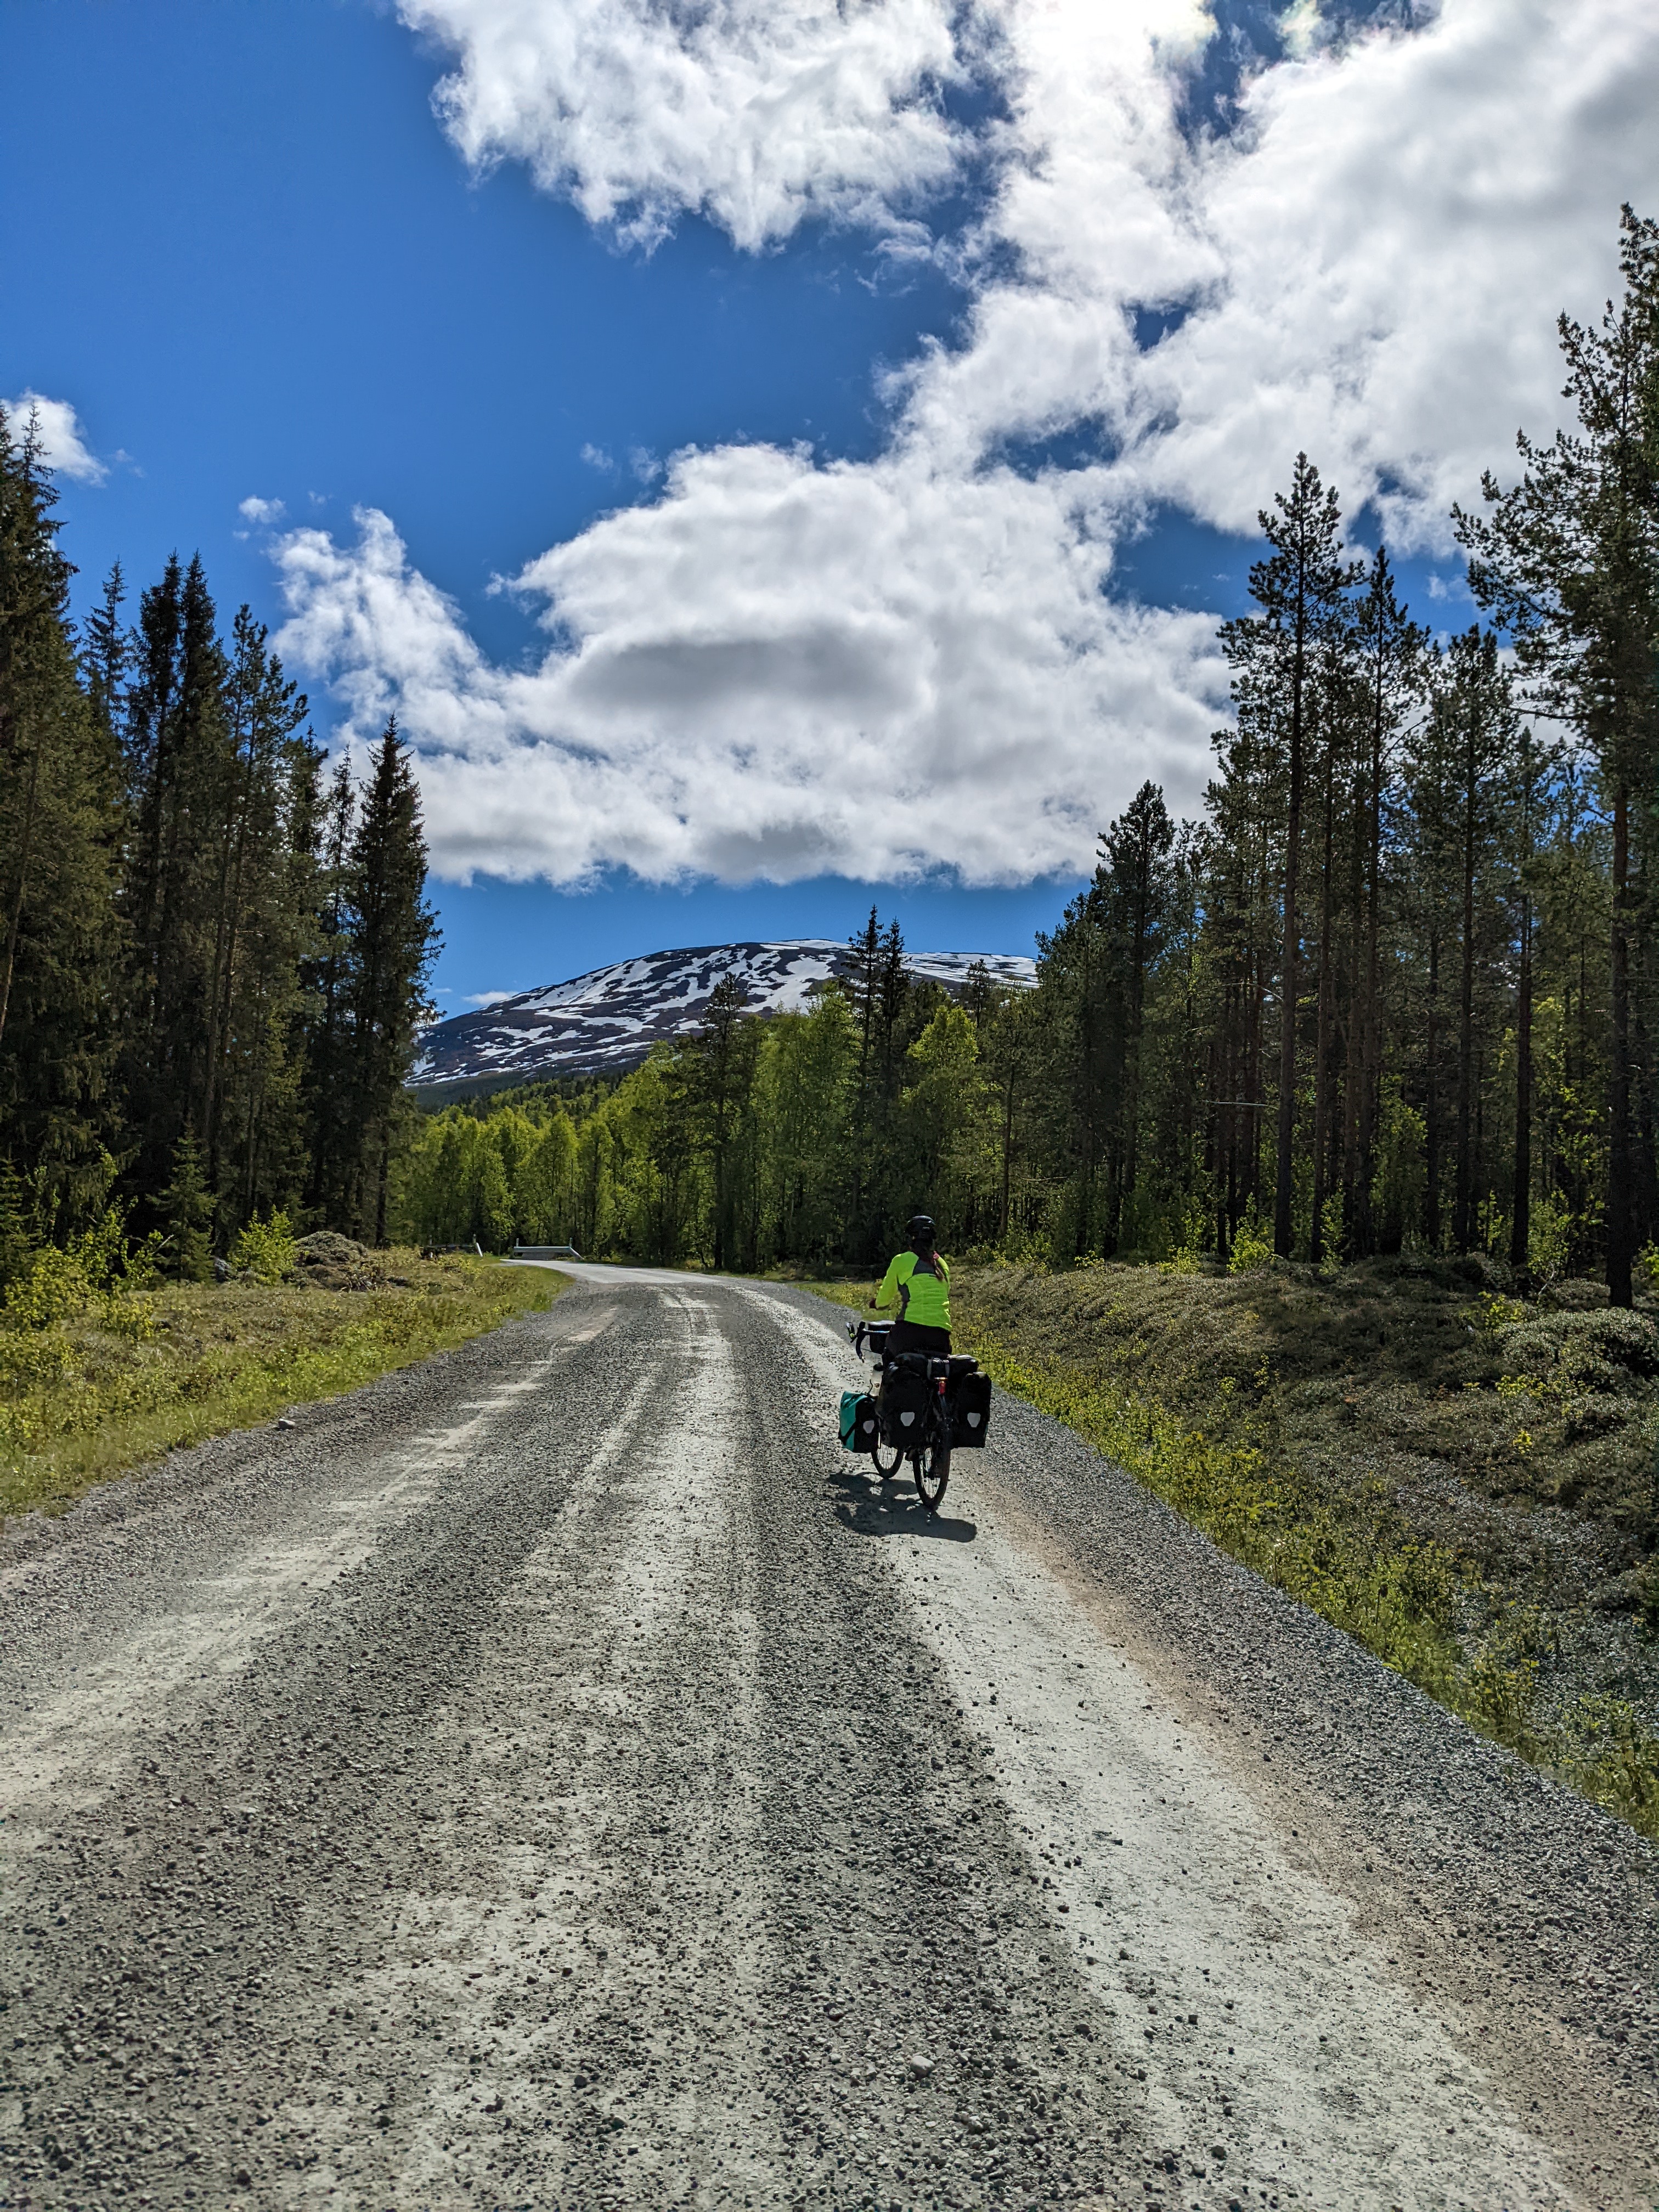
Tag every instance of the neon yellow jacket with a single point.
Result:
(922, 1289)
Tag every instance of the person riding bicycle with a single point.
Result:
(920, 1280)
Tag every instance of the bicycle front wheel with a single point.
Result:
(932, 1470)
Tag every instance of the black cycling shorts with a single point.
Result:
(911, 1336)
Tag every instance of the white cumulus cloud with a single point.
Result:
(778, 669)
(775, 665)
(64, 446)
(1393, 234)
(757, 112)
(1368, 267)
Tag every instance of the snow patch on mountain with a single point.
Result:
(608, 1019)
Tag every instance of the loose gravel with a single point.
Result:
(558, 1776)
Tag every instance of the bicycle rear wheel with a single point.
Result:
(932, 1470)
(887, 1461)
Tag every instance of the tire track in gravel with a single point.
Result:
(566, 1935)
(185, 1944)
(1270, 2029)
(1379, 1841)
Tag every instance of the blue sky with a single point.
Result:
(970, 427)
(243, 246)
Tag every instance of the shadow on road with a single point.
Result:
(893, 1509)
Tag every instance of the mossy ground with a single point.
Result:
(97, 1391)
(1463, 1482)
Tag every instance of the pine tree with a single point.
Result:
(1527, 803)
(1300, 589)
(1135, 886)
(1481, 730)
(1389, 649)
(721, 1068)
(1568, 562)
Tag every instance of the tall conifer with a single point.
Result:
(1300, 589)
(393, 939)
(1568, 562)
(58, 942)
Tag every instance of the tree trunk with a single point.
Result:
(1370, 1088)
(380, 1190)
(1520, 1223)
(1322, 1025)
(1007, 1148)
(1462, 1206)
(1621, 1224)
(1432, 1105)
(1353, 1038)
(1289, 964)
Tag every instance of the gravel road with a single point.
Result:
(557, 1775)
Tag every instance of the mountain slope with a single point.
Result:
(608, 1019)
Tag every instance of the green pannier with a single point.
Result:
(858, 1422)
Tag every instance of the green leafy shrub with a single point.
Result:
(266, 1250)
(1252, 1247)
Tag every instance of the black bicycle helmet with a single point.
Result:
(920, 1229)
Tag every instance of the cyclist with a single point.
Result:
(920, 1280)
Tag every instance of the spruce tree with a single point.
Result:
(325, 973)
(393, 939)
(264, 857)
(180, 758)
(106, 651)
(185, 1207)
(59, 945)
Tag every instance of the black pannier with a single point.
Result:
(904, 1392)
(969, 1399)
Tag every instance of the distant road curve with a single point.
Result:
(557, 1775)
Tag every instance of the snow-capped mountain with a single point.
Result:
(609, 1019)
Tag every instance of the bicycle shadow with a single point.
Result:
(870, 1508)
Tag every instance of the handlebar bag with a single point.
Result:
(969, 1403)
(858, 1421)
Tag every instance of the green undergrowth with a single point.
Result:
(102, 1370)
(1462, 1483)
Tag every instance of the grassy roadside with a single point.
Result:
(97, 1380)
(1465, 1485)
